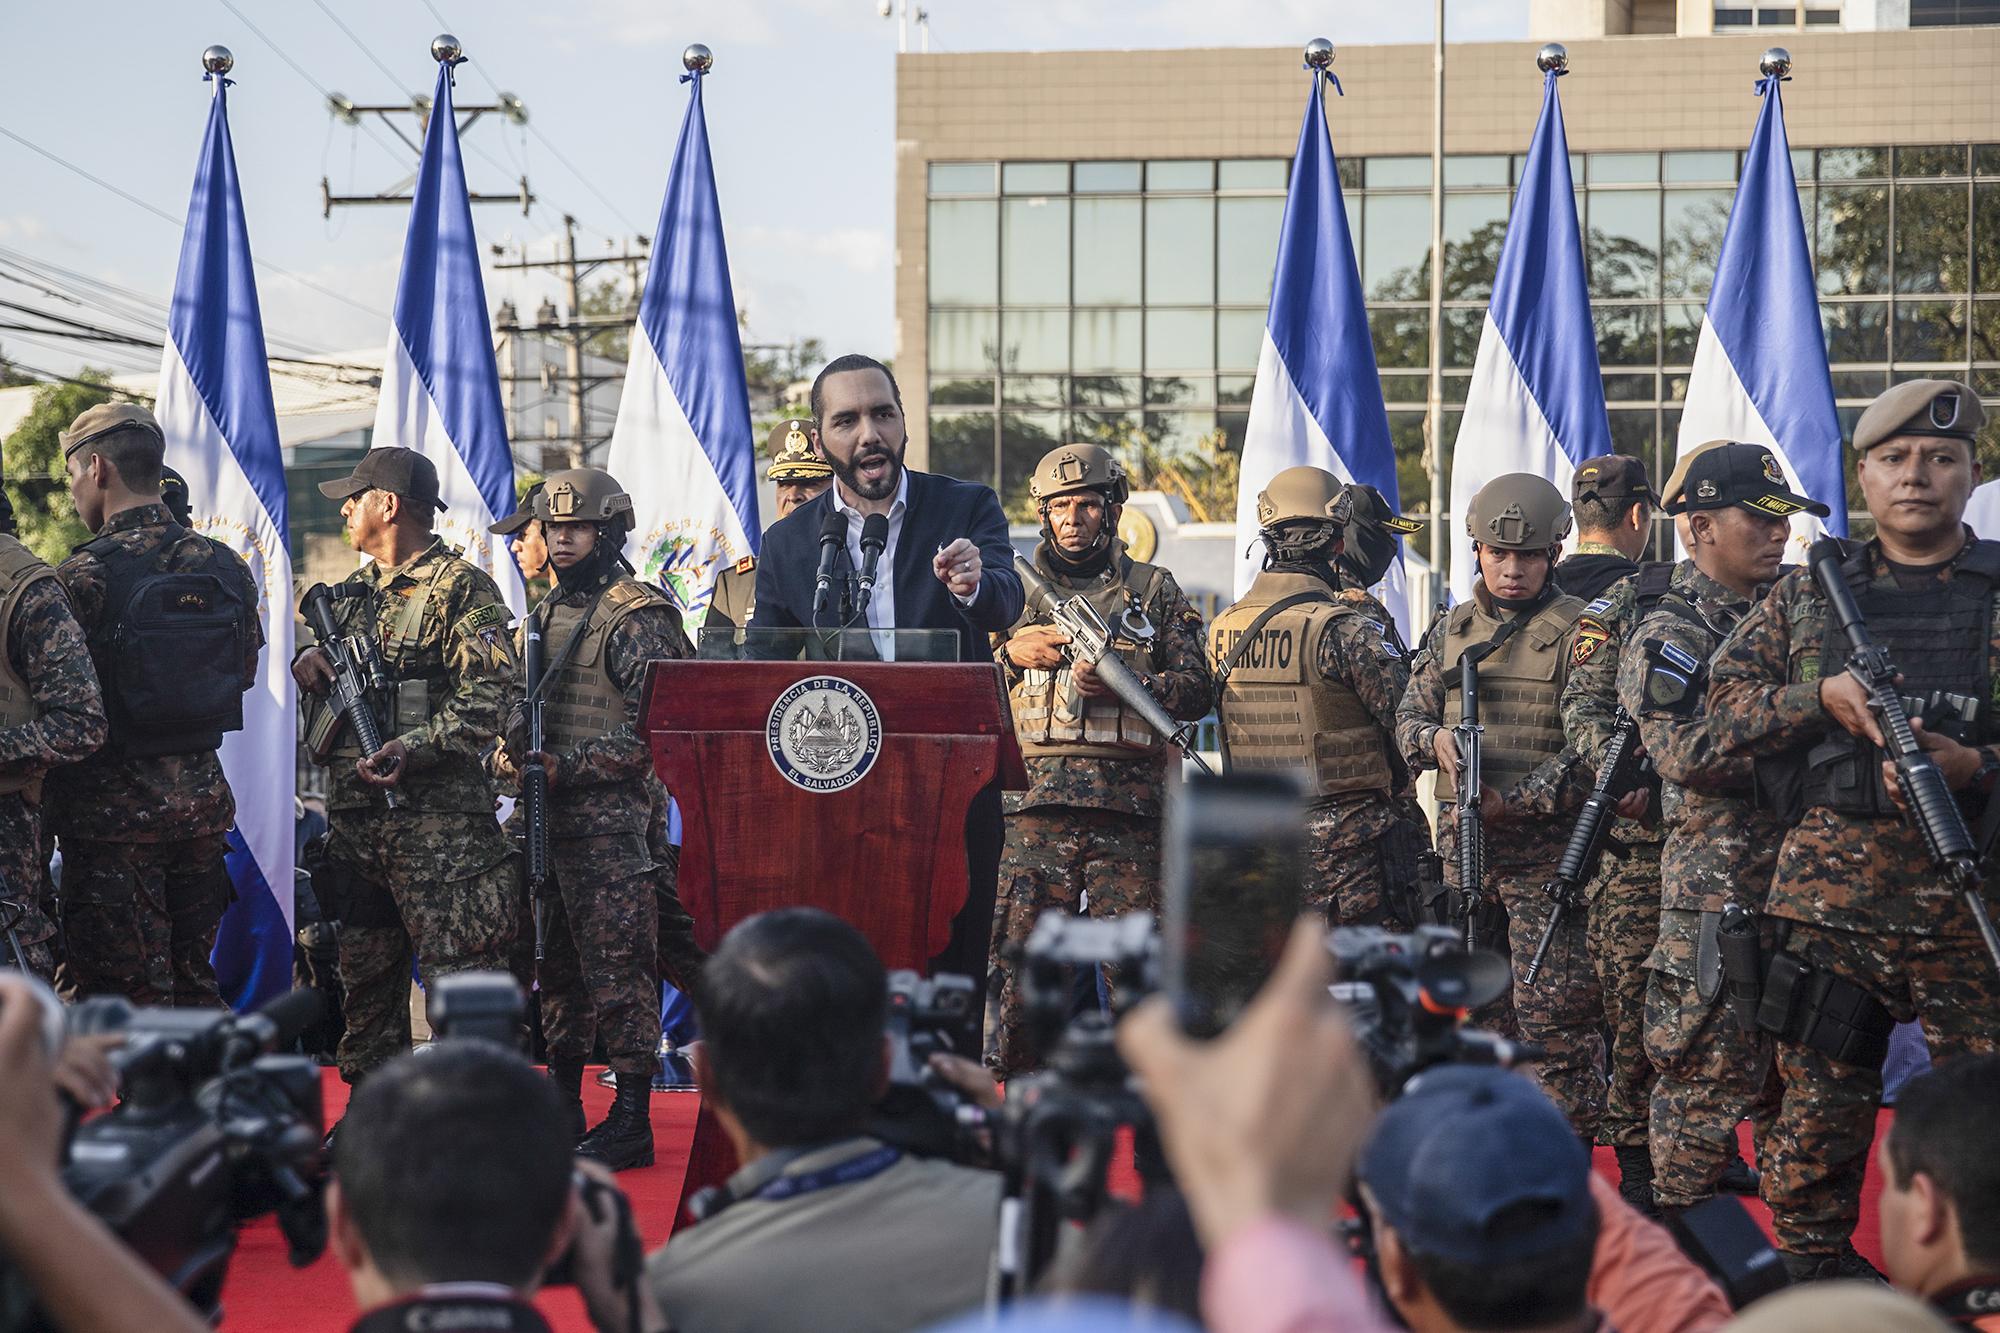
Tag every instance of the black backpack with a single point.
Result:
(170, 651)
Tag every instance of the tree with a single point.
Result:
(1204, 477)
(37, 484)
(10, 376)
(609, 298)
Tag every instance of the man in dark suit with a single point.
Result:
(948, 565)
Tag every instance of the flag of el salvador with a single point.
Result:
(1760, 372)
(682, 445)
(1317, 398)
(1536, 401)
(221, 431)
(440, 384)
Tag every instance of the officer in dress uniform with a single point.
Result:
(800, 474)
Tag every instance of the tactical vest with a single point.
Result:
(1520, 685)
(583, 703)
(1052, 720)
(1276, 710)
(19, 569)
(1941, 638)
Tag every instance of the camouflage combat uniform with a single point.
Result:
(1857, 894)
(1329, 719)
(431, 879)
(1719, 848)
(599, 971)
(1088, 827)
(1541, 781)
(143, 837)
(51, 712)
(1624, 896)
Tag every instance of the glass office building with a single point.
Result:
(1125, 299)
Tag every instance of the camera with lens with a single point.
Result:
(920, 1113)
(1059, 1128)
(212, 1129)
(1409, 994)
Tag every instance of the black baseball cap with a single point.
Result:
(1749, 475)
(1612, 477)
(391, 468)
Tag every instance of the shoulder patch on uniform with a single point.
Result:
(1389, 644)
(482, 617)
(1598, 607)
(746, 564)
(1590, 636)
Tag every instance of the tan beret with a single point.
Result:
(1945, 409)
(104, 419)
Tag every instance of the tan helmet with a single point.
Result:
(1079, 467)
(1518, 512)
(1304, 495)
(584, 495)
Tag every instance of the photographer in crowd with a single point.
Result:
(822, 1225)
(1941, 1191)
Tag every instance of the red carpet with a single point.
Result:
(265, 1293)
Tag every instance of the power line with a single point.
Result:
(326, 9)
(546, 142)
(173, 221)
(300, 70)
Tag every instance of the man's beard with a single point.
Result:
(850, 473)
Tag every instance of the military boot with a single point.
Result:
(567, 1075)
(1635, 1178)
(1843, 1263)
(1739, 1177)
(624, 1138)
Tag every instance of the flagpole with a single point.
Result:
(217, 61)
(1434, 414)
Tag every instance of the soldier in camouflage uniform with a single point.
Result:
(1523, 633)
(799, 474)
(143, 820)
(600, 628)
(1858, 903)
(430, 878)
(1719, 848)
(51, 712)
(1309, 679)
(1612, 497)
(1089, 824)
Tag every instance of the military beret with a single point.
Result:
(1945, 409)
(104, 419)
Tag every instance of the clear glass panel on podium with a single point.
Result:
(725, 643)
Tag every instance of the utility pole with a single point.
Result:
(575, 329)
(349, 112)
(1434, 416)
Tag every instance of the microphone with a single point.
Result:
(874, 536)
(832, 536)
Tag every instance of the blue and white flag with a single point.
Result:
(440, 384)
(1317, 400)
(1536, 402)
(222, 435)
(682, 445)
(1760, 374)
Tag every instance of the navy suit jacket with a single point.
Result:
(940, 510)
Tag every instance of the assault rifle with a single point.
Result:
(535, 784)
(1617, 774)
(357, 668)
(1471, 824)
(1927, 798)
(1090, 642)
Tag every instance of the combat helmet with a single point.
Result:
(1304, 495)
(1518, 511)
(1079, 467)
(584, 495)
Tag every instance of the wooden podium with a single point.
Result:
(840, 785)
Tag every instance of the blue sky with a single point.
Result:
(801, 117)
